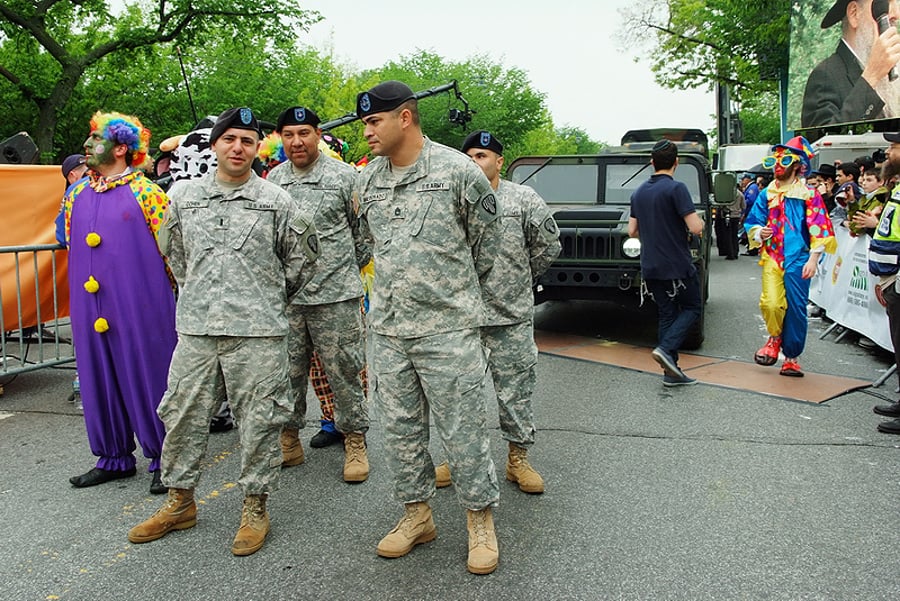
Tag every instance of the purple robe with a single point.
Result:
(123, 370)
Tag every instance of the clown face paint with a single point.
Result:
(98, 151)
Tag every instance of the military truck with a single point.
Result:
(591, 197)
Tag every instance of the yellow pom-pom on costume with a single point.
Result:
(92, 239)
(92, 285)
(101, 325)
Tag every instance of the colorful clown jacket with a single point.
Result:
(799, 222)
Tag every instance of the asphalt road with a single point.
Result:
(652, 493)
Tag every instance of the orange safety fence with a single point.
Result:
(30, 197)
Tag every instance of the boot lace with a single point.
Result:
(479, 528)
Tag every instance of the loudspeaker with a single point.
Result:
(19, 149)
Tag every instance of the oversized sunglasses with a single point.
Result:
(785, 161)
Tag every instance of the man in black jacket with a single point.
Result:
(852, 84)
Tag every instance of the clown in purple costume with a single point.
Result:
(121, 300)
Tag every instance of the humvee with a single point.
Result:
(590, 196)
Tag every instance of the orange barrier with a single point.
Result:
(30, 197)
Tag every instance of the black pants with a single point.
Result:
(892, 298)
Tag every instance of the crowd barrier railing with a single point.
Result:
(35, 330)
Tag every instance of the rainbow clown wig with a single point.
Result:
(127, 130)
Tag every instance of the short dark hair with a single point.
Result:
(851, 169)
(664, 154)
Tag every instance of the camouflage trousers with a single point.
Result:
(254, 372)
(442, 377)
(513, 359)
(335, 332)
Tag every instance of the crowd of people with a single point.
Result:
(231, 291)
(219, 296)
(789, 221)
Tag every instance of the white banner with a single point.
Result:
(844, 287)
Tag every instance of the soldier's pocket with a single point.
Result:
(273, 394)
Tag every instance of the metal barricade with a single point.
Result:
(48, 342)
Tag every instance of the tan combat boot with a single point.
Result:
(291, 447)
(414, 528)
(254, 526)
(178, 512)
(483, 553)
(519, 470)
(356, 461)
(442, 478)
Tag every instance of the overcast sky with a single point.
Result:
(567, 47)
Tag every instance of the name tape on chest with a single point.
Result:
(194, 204)
(375, 197)
(259, 205)
(432, 186)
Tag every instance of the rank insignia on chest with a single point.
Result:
(398, 213)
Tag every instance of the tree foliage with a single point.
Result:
(268, 73)
(699, 43)
(48, 47)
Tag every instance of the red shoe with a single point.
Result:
(791, 368)
(768, 354)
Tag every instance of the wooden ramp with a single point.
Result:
(813, 388)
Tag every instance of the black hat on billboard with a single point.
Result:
(835, 14)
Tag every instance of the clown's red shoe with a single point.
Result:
(791, 368)
(768, 354)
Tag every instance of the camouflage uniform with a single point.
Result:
(237, 253)
(425, 310)
(325, 314)
(529, 241)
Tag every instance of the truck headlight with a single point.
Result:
(632, 248)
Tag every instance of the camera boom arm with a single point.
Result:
(456, 116)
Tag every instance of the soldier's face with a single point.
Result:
(301, 144)
(383, 132)
(235, 150)
(489, 161)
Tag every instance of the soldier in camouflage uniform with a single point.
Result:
(238, 247)
(325, 315)
(427, 208)
(529, 243)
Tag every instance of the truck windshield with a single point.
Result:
(580, 183)
(621, 181)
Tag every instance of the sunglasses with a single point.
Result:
(785, 161)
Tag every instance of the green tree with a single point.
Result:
(48, 46)
(699, 43)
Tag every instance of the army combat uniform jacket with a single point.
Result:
(326, 193)
(219, 246)
(528, 243)
(427, 233)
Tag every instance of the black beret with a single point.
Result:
(297, 115)
(892, 137)
(239, 118)
(482, 139)
(385, 96)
